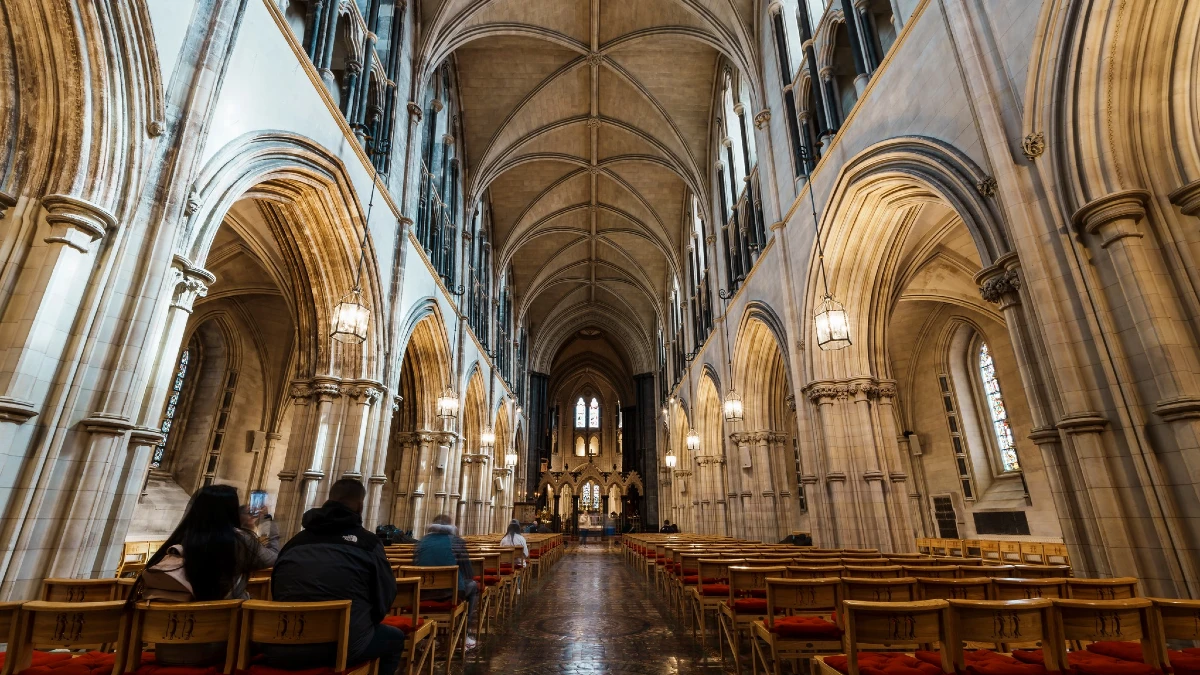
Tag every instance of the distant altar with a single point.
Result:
(581, 498)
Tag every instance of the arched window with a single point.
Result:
(999, 413)
(172, 407)
(594, 414)
(589, 498)
(580, 414)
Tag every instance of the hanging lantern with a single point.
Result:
(487, 439)
(693, 440)
(510, 458)
(734, 411)
(670, 459)
(447, 404)
(350, 318)
(833, 325)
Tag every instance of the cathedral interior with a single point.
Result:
(866, 273)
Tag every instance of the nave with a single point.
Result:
(591, 614)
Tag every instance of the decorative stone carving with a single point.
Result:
(1187, 198)
(594, 170)
(437, 105)
(761, 119)
(326, 388)
(592, 122)
(414, 111)
(376, 480)
(1113, 216)
(7, 201)
(192, 204)
(819, 391)
(996, 288)
(1034, 145)
(986, 186)
(155, 128)
(594, 59)
(1183, 407)
(106, 423)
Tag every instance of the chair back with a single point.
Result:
(993, 571)
(803, 597)
(814, 572)
(1010, 551)
(1120, 620)
(861, 553)
(1121, 588)
(258, 589)
(930, 571)
(1031, 552)
(919, 561)
(183, 623)
(1001, 623)
(294, 623)
(874, 572)
(715, 570)
(903, 589)
(989, 550)
(866, 562)
(767, 562)
(1041, 571)
(750, 583)
(9, 613)
(894, 626)
(408, 599)
(1056, 554)
(435, 579)
(79, 590)
(970, 548)
(1178, 619)
(968, 588)
(1024, 589)
(70, 625)
(124, 588)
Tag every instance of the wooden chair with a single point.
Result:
(9, 612)
(184, 623)
(711, 593)
(1010, 551)
(891, 626)
(993, 571)
(990, 550)
(1056, 554)
(797, 624)
(259, 589)
(298, 623)
(1000, 624)
(79, 590)
(419, 634)
(867, 562)
(874, 572)
(971, 548)
(101, 628)
(487, 590)
(880, 590)
(924, 545)
(124, 588)
(1121, 588)
(1032, 553)
(1177, 620)
(746, 603)
(1082, 621)
(969, 588)
(954, 548)
(451, 614)
(1024, 589)
(133, 558)
(814, 572)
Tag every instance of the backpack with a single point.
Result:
(166, 579)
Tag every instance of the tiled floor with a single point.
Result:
(592, 614)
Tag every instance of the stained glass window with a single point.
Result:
(580, 412)
(594, 414)
(995, 404)
(589, 499)
(172, 406)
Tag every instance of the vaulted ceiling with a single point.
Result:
(586, 125)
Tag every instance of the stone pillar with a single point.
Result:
(189, 284)
(305, 466)
(876, 524)
(862, 68)
(896, 473)
(422, 477)
(446, 491)
(832, 111)
(765, 488)
(360, 397)
(844, 523)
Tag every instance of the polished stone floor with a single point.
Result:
(592, 614)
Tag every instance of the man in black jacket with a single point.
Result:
(334, 558)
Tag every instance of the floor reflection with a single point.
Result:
(592, 614)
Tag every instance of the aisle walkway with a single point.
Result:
(592, 615)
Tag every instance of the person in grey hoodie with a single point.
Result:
(334, 558)
(442, 547)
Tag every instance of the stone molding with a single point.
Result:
(1001, 288)
(761, 119)
(16, 410)
(7, 201)
(75, 222)
(376, 480)
(1033, 145)
(1187, 198)
(858, 388)
(1114, 216)
(1182, 407)
(146, 436)
(1082, 423)
(1044, 435)
(106, 423)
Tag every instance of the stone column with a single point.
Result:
(857, 47)
(887, 435)
(743, 508)
(832, 110)
(782, 470)
(305, 467)
(764, 488)
(361, 397)
(189, 283)
(422, 485)
(876, 523)
(844, 524)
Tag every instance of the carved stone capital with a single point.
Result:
(762, 119)
(376, 480)
(300, 390)
(825, 392)
(1043, 435)
(414, 112)
(7, 201)
(1187, 198)
(75, 222)
(1113, 217)
(594, 59)
(191, 283)
(1002, 288)
(835, 477)
(326, 388)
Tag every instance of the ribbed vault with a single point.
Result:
(586, 127)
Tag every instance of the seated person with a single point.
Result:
(513, 538)
(334, 558)
(218, 546)
(442, 547)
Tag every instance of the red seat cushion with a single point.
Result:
(87, 663)
(404, 623)
(986, 662)
(491, 570)
(690, 572)
(884, 663)
(41, 658)
(714, 589)
(691, 580)
(1185, 662)
(488, 580)
(505, 567)
(1089, 663)
(806, 628)
(437, 605)
(750, 605)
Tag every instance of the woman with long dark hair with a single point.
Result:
(513, 538)
(220, 549)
